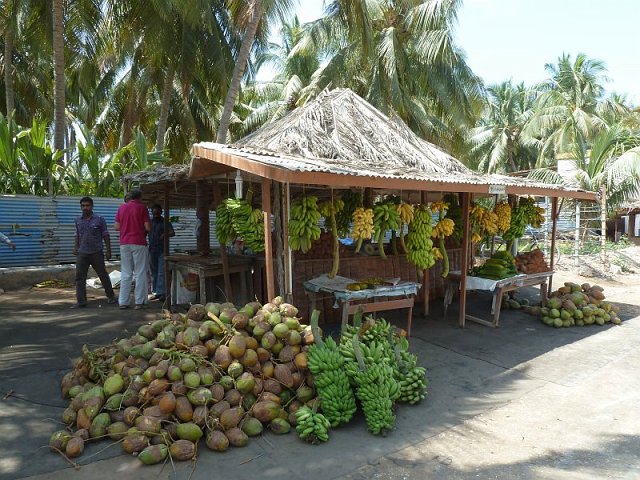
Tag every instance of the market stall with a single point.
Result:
(315, 153)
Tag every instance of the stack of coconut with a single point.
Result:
(578, 305)
(216, 372)
(531, 262)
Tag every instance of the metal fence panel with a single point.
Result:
(43, 228)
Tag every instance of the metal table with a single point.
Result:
(498, 287)
(337, 288)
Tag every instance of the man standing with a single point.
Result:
(91, 231)
(156, 251)
(6, 240)
(132, 221)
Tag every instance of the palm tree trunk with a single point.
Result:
(164, 109)
(8, 70)
(238, 71)
(58, 74)
(512, 163)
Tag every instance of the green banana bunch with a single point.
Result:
(247, 222)
(329, 210)
(224, 224)
(410, 377)
(332, 383)
(419, 242)
(385, 217)
(303, 223)
(376, 387)
(311, 425)
(351, 200)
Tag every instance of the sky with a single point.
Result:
(514, 39)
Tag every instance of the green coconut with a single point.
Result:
(189, 431)
(245, 383)
(251, 426)
(154, 454)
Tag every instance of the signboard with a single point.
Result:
(497, 189)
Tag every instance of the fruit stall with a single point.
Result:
(404, 203)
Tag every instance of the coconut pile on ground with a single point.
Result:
(225, 374)
(579, 305)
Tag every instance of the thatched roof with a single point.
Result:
(339, 139)
(160, 174)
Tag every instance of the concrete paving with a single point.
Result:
(523, 401)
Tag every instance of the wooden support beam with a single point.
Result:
(426, 284)
(554, 227)
(228, 288)
(464, 267)
(268, 251)
(202, 213)
(167, 277)
(288, 260)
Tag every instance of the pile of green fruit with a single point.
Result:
(224, 375)
(500, 265)
(578, 305)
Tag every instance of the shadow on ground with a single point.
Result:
(471, 371)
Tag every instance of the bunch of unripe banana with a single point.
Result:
(334, 389)
(410, 377)
(375, 385)
(362, 225)
(303, 224)
(311, 425)
(385, 217)
(524, 214)
(351, 199)
(237, 218)
(419, 243)
(503, 212)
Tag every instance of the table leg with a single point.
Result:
(345, 313)
(543, 293)
(409, 321)
(497, 299)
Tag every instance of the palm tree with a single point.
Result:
(569, 112)
(402, 58)
(58, 75)
(613, 160)
(499, 144)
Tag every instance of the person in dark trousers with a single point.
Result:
(91, 232)
(7, 241)
(156, 251)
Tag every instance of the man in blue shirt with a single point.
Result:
(91, 231)
(156, 251)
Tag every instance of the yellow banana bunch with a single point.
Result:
(503, 212)
(362, 225)
(444, 227)
(303, 224)
(538, 218)
(436, 253)
(484, 221)
(439, 207)
(406, 212)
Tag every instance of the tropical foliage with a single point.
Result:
(136, 78)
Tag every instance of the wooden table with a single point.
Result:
(408, 290)
(500, 287)
(207, 269)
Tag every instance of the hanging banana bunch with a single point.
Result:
(483, 222)
(224, 224)
(362, 226)
(419, 243)
(503, 212)
(455, 213)
(303, 223)
(406, 217)
(385, 217)
(247, 222)
(444, 228)
(352, 199)
(328, 210)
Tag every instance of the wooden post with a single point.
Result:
(202, 213)
(603, 226)
(631, 232)
(576, 240)
(466, 206)
(554, 227)
(288, 261)
(277, 216)
(167, 278)
(426, 284)
(268, 251)
(228, 288)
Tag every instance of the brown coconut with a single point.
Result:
(266, 410)
(182, 450)
(183, 410)
(282, 373)
(231, 418)
(223, 357)
(217, 441)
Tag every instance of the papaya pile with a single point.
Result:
(578, 305)
(218, 373)
(500, 265)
